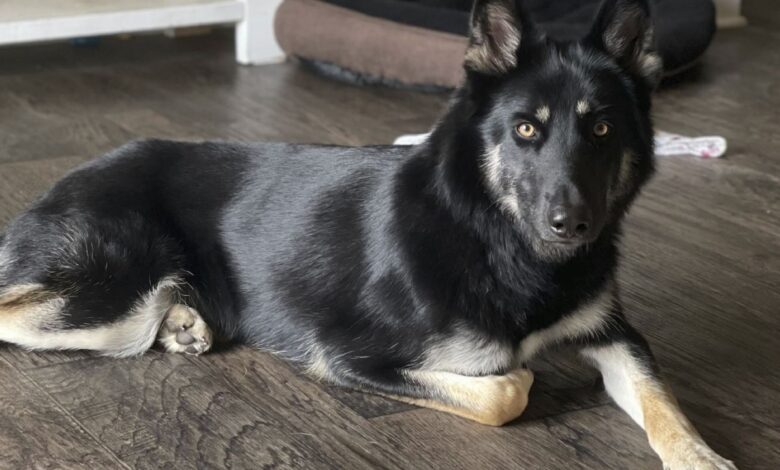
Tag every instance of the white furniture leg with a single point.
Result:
(730, 13)
(255, 42)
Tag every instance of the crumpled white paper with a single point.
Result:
(667, 143)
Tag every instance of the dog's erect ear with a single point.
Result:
(624, 29)
(497, 27)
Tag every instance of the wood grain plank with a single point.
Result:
(164, 410)
(35, 434)
(601, 438)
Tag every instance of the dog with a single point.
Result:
(429, 274)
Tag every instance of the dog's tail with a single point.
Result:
(13, 297)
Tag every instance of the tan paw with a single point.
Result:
(184, 331)
(698, 456)
(503, 398)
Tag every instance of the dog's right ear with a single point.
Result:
(497, 28)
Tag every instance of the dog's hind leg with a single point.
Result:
(102, 284)
(32, 317)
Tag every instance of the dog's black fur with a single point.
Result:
(428, 273)
(365, 252)
(363, 255)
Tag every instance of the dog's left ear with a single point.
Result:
(624, 29)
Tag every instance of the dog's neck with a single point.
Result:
(455, 146)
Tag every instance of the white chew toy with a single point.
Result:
(667, 143)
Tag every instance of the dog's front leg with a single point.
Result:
(632, 380)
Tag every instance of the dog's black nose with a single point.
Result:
(570, 222)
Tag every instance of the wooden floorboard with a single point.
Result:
(601, 437)
(167, 411)
(700, 277)
(37, 433)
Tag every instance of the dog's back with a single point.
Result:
(113, 231)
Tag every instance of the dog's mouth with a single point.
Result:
(561, 249)
(570, 243)
(567, 243)
(564, 246)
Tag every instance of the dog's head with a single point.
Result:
(564, 128)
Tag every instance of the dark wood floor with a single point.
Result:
(701, 275)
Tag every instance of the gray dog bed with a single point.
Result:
(420, 43)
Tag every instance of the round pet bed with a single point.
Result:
(420, 43)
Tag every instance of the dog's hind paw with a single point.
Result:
(184, 331)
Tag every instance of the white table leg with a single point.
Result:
(255, 41)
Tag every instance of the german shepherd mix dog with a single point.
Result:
(430, 274)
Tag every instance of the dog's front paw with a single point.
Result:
(698, 456)
(501, 398)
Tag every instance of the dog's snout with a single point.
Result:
(570, 222)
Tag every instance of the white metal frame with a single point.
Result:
(730, 13)
(253, 20)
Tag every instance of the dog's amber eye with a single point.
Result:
(601, 129)
(526, 130)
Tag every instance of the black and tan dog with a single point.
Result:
(430, 273)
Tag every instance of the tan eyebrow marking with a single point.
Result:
(543, 114)
(582, 107)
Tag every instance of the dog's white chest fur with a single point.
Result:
(586, 321)
(468, 352)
